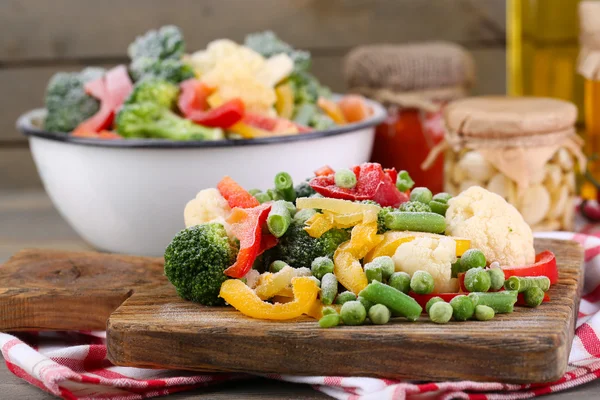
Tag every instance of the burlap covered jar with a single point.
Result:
(523, 148)
(413, 81)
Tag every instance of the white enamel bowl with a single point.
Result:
(128, 196)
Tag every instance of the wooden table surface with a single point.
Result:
(27, 219)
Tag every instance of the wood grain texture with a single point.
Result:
(160, 330)
(58, 290)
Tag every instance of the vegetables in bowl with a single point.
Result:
(260, 89)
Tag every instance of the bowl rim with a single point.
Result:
(27, 127)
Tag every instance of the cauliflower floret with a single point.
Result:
(217, 50)
(208, 206)
(494, 226)
(432, 255)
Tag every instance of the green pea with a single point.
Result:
(345, 297)
(440, 312)
(484, 313)
(344, 178)
(534, 296)
(421, 194)
(329, 310)
(463, 308)
(321, 266)
(431, 302)
(353, 313)
(442, 197)
(422, 282)
(496, 278)
(277, 266)
(373, 273)
(329, 321)
(386, 264)
(329, 288)
(438, 207)
(477, 280)
(472, 258)
(366, 303)
(456, 268)
(400, 281)
(254, 191)
(404, 181)
(379, 314)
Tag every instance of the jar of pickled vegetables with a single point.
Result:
(522, 148)
(414, 82)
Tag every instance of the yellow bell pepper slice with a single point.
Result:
(242, 298)
(337, 206)
(285, 100)
(318, 224)
(343, 221)
(363, 239)
(370, 216)
(387, 247)
(248, 131)
(348, 270)
(316, 311)
(270, 284)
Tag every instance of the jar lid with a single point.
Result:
(410, 67)
(589, 39)
(502, 117)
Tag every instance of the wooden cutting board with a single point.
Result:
(149, 326)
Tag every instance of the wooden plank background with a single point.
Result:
(39, 38)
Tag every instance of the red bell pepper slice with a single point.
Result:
(246, 225)
(112, 89)
(545, 265)
(224, 116)
(271, 124)
(267, 242)
(422, 299)
(236, 195)
(372, 183)
(193, 96)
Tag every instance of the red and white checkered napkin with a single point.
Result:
(73, 365)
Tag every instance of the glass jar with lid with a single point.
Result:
(414, 81)
(522, 148)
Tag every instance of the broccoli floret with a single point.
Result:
(195, 260)
(299, 249)
(381, 228)
(66, 101)
(303, 189)
(154, 90)
(166, 42)
(174, 71)
(149, 120)
(307, 88)
(321, 122)
(268, 44)
(414, 206)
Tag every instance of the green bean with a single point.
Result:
(438, 207)
(328, 310)
(321, 266)
(291, 207)
(262, 197)
(394, 299)
(496, 278)
(379, 314)
(534, 296)
(304, 215)
(441, 312)
(329, 321)
(386, 264)
(344, 178)
(254, 191)
(484, 313)
(285, 185)
(421, 194)
(329, 288)
(345, 297)
(431, 302)
(463, 307)
(404, 181)
(279, 219)
(422, 282)
(472, 258)
(415, 221)
(373, 273)
(521, 284)
(477, 280)
(442, 197)
(277, 266)
(400, 281)
(500, 302)
(353, 313)
(366, 303)
(275, 195)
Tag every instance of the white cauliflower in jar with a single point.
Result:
(434, 255)
(494, 226)
(208, 206)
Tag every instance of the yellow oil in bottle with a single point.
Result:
(592, 124)
(542, 50)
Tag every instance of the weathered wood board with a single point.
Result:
(154, 328)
